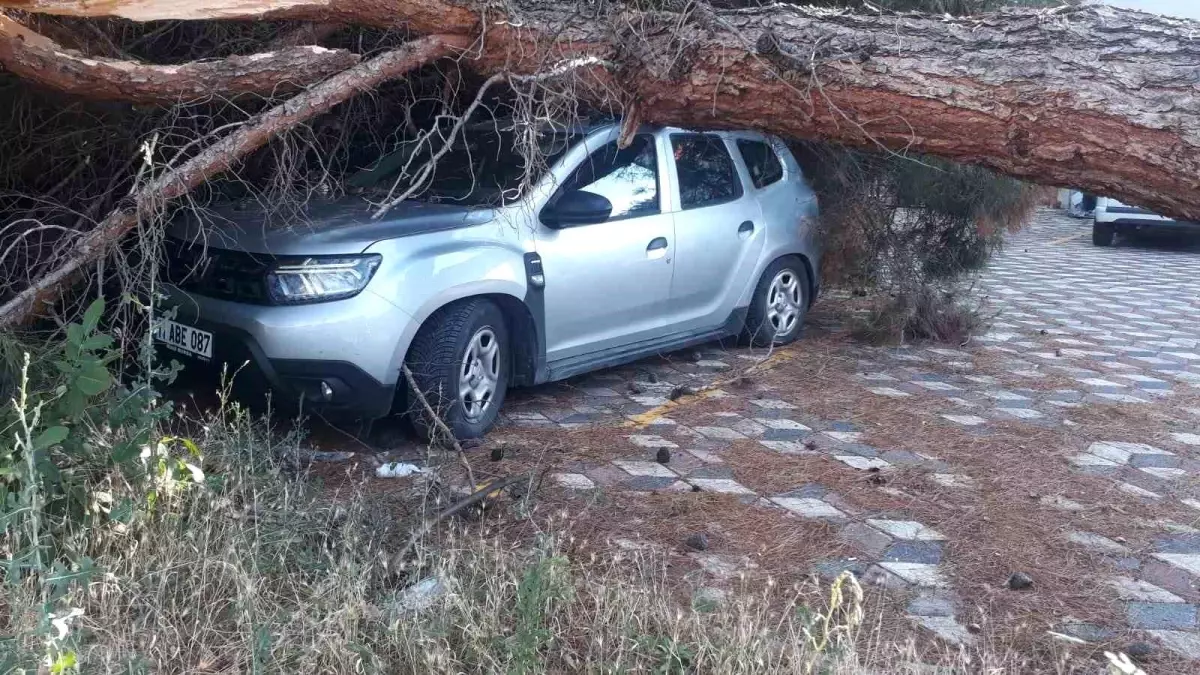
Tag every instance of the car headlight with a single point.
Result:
(320, 278)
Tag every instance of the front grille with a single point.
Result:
(218, 273)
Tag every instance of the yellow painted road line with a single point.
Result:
(650, 416)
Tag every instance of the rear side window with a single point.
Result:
(761, 161)
(705, 169)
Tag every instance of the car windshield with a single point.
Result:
(482, 168)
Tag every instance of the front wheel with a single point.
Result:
(460, 361)
(1102, 235)
(779, 305)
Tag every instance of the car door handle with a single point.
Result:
(746, 229)
(657, 248)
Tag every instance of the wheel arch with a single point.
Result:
(523, 329)
(809, 272)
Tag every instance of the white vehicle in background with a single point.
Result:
(1113, 217)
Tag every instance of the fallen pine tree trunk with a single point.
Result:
(1092, 97)
(223, 154)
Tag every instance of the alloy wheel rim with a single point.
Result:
(479, 373)
(784, 299)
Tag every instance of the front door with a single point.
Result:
(608, 283)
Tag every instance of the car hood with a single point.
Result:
(331, 226)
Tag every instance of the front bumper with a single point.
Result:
(339, 359)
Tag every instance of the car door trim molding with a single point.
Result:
(616, 356)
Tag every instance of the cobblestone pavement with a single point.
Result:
(1083, 338)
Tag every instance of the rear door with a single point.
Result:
(608, 284)
(718, 230)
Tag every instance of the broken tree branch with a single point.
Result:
(481, 493)
(223, 154)
(39, 59)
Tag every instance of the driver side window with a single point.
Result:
(628, 178)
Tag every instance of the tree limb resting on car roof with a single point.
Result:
(1093, 97)
(39, 59)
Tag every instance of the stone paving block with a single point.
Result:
(889, 392)
(781, 424)
(852, 449)
(647, 483)
(845, 436)
(719, 433)
(1160, 615)
(710, 471)
(933, 603)
(966, 420)
(1179, 543)
(927, 552)
(934, 385)
(808, 508)
(787, 447)
(651, 441)
(649, 400)
(906, 529)
(1186, 438)
(682, 462)
(1164, 473)
(877, 377)
(573, 481)
(1120, 398)
(1137, 491)
(705, 455)
(1121, 452)
(1021, 413)
(1131, 589)
(903, 457)
(1004, 395)
(1188, 562)
(1155, 461)
(748, 428)
(952, 480)
(868, 540)
(862, 463)
(722, 485)
(784, 435)
(1186, 644)
(1095, 542)
(1088, 632)
(607, 476)
(946, 628)
(917, 574)
(636, 468)
(1087, 459)
(832, 569)
(773, 404)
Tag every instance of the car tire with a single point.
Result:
(1102, 235)
(782, 295)
(460, 360)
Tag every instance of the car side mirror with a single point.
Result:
(577, 207)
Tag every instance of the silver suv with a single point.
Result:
(501, 275)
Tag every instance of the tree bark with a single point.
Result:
(222, 155)
(38, 59)
(1098, 98)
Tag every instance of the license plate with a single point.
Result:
(185, 339)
